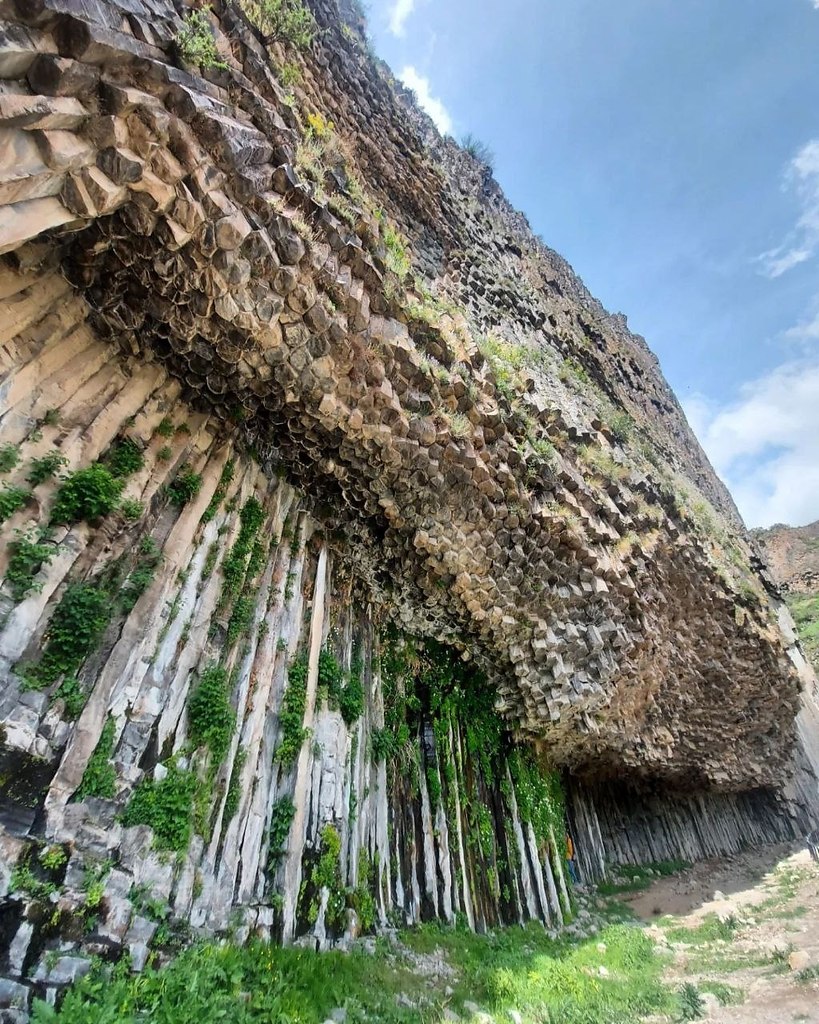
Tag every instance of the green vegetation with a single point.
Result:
(131, 509)
(164, 454)
(235, 566)
(690, 1003)
(125, 458)
(76, 626)
(636, 877)
(211, 719)
(45, 467)
(286, 21)
(346, 695)
(478, 150)
(53, 857)
(165, 427)
(12, 499)
(28, 553)
(185, 487)
(221, 491)
(141, 576)
(72, 695)
(9, 457)
(291, 714)
(397, 260)
(100, 778)
(712, 929)
(621, 426)
(89, 494)
(166, 806)
(281, 818)
(196, 42)
(805, 611)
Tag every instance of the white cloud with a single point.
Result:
(764, 444)
(433, 106)
(401, 10)
(801, 176)
(807, 330)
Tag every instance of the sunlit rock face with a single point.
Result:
(339, 520)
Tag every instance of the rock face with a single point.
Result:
(339, 521)
(792, 553)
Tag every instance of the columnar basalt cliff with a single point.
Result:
(340, 523)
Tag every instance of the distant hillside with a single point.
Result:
(792, 553)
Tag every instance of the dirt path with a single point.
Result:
(744, 929)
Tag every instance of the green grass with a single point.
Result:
(554, 981)
(636, 878)
(712, 929)
(728, 995)
(546, 981)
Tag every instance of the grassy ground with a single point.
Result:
(620, 972)
(613, 978)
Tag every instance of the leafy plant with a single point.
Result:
(196, 41)
(165, 806)
(221, 491)
(73, 696)
(185, 487)
(53, 857)
(398, 260)
(27, 555)
(165, 427)
(211, 719)
(281, 818)
(12, 499)
(125, 458)
(89, 494)
(131, 509)
(691, 1005)
(9, 457)
(621, 426)
(289, 21)
(165, 452)
(291, 714)
(45, 467)
(100, 777)
(76, 626)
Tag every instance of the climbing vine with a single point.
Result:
(291, 714)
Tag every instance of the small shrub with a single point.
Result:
(211, 719)
(73, 696)
(289, 74)
(691, 1005)
(89, 494)
(9, 457)
(621, 427)
(100, 778)
(131, 509)
(185, 487)
(76, 626)
(397, 260)
(281, 818)
(165, 427)
(53, 857)
(166, 806)
(12, 499)
(51, 418)
(165, 452)
(291, 714)
(288, 21)
(125, 458)
(45, 467)
(478, 150)
(196, 42)
(27, 555)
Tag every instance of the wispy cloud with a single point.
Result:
(802, 243)
(764, 444)
(431, 104)
(399, 13)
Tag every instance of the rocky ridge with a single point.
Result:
(322, 441)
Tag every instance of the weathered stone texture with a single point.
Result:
(173, 266)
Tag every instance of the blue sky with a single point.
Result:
(669, 149)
